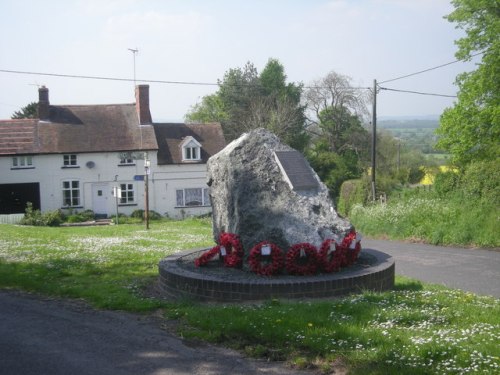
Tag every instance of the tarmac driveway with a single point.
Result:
(473, 270)
(53, 337)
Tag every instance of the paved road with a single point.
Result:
(473, 270)
(50, 337)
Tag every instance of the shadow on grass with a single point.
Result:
(406, 284)
(111, 286)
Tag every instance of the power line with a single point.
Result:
(429, 69)
(418, 92)
(148, 80)
(109, 78)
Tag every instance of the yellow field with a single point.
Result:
(430, 174)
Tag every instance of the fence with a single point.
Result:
(11, 219)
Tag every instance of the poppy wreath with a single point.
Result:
(234, 249)
(331, 261)
(299, 265)
(277, 259)
(204, 258)
(351, 248)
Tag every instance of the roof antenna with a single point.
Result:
(135, 51)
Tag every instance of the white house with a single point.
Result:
(76, 156)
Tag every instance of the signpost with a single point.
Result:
(117, 193)
(147, 171)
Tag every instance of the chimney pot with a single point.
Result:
(142, 104)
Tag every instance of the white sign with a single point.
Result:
(223, 251)
(265, 250)
(117, 192)
(332, 247)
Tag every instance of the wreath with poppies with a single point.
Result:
(352, 247)
(266, 265)
(268, 259)
(302, 259)
(204, 258)
(231, 249)
(331, 256)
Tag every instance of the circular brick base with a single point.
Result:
(179, 279)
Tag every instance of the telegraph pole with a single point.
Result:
(374, 137)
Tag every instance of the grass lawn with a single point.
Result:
(414, 329)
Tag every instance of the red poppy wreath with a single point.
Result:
(231, 249)
(204, 258)
(331, 256)
(302, 259)
(352, 247)
(266, 251)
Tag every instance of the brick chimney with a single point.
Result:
(142, 104)
(43, 103)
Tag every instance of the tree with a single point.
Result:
(335, 91)
(342, 143)
(470, 130)
(28, 111)
(248, 100)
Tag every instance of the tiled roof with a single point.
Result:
(18, 136)
(78, 128)
(171, 135)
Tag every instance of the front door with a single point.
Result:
(100, 195)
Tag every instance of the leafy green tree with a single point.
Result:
(28, 111)
(341, 143)
(332, 168)
(470, 130)
(248, 100)
(211, 109)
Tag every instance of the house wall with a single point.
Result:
(100, 176)
(167, 179)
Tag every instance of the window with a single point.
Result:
(191, 153)
(126, 158)
(22, 161)
(128, 196)
(71, 193)
(69, 160)
(191, 149)
(192, 197)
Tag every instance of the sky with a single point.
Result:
(199, 40)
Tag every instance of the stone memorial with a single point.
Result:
(262, 189)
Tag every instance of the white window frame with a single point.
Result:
(128, 194)
(22, 162)
(70, 160)
(181, 195)
(75, 193)
(126, 158)
(191, 150)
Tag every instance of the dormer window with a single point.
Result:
(191, 150)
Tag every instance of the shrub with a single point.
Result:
(53, 218)
(446, 182)
(80, 217)
(139, 214)
(36, 218)
(352, 192)
(482, 180)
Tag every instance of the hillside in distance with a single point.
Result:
(415, 133)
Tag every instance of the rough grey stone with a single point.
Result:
(252, 197)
